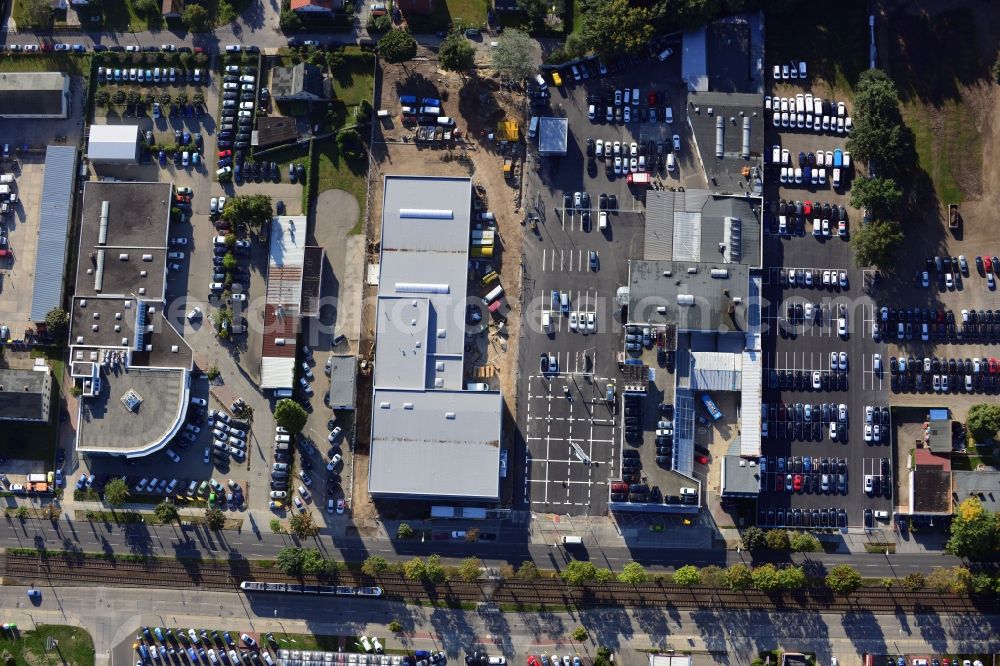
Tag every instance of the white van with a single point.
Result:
(688, 491)
(547, 321)
(282, 393)
(671, 162)
(493, 295)
(446, 121)
(602, 220)
(533, 127)
(564, 301)
(572, 541)
(666, 53)
(477, 386)
(540, 80)
(282, 439)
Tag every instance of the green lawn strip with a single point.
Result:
(318, 642)
(945, 148)
(74, 646)
(831, 37)
(335, 172)
(464, 13)
(77, 65)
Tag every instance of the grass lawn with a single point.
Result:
(468, 13)
(932, 61)
(122, 15)
(831, 36)
(317, 642)
(35, 441)
(77, 65)
(944, 143)
(354, 81)
(75, 646)
(334, 172)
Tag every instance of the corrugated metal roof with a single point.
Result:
(687, 236)
(659, 238)
(684, 425)
(53, 227)
(750, 404)
(286, 257)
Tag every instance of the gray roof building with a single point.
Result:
(113, 144)
(274, 131)
(553, 136)
(726, 55)
(740, 477)
(53, 230)
(34, 95)
(983, 484)
(25, 395)
(303, 81)
(728, 133)
(343, 381)
(430, 438)
(131, 363)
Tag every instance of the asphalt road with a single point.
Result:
(726, 637)
(190, 541)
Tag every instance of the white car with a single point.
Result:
(816, 381)
(173, 456)
(599, 148)
(591, 322)
(213, 205)
(869, 413)
(842, 327)
(877, 362)
(195, 313)
(786, 156)
(843, 361)
(633, 149)
(573, 320)
(842, 412)
(677, 143)
(868, 432)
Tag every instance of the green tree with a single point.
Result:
(616, 28)
(397, 46)
(290, 561)
(957, 580)
(196, 18)
(351, 145)
(512, 56)
(229, 262)
(843, 579)
(313, 562)
(778, 540)
(875, 244)
(470, 568)
(914, 581)
(119, 97)
(275, 526)
(983, 421)
(102, 98)
(578, 572)
(982, 583)
(633, 573)
(151, 8)
(879, 195)
(687, 575)
(404, 531)
(415, 569)
(215, 519)
(375, 565)
(879, 134)
(766, 578)
(289, 21)
(527, 571)
(133, 97)
(57, 323)
(379, 23)
(792, 578)
(302, 525)
(115, 492)
(711, 575)
(887, 583)
(738, 577)
(604, 575)
(579, 635)
(537, 11)
(435, 570)
(35, 14)
(248, 211)
(876, 95)
(289, 415)
(456, 53)
(754, 538)
(198, 99)
(974, 531)
(395, 626)
(800, 542)
(166, 512)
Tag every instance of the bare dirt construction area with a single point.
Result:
(477, 104)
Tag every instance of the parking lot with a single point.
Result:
(814, 475)
(571, 254)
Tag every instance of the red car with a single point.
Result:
(797, 482)
(994, 366)
(651, 98)
(702, 460)
(533, 660)
(807, 207)
(225, 153)
(988, 264)
(779, 482)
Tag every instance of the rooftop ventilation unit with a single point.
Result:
(720, 133)
(102, 232)
(746, 138)
(421, 288)
(426, 213)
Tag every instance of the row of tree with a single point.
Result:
(882, 140)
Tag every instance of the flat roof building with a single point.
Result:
(343, 380)
(728, 133)
(429, 437)
(25, 395)
(553, 136)
(113, 144)
(35, 95)
(131, 364)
